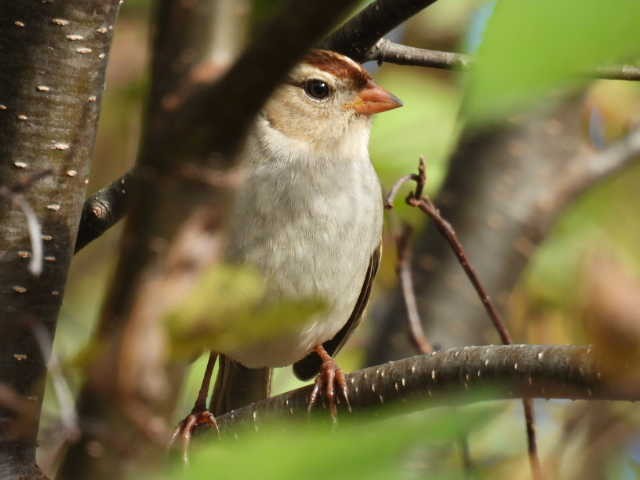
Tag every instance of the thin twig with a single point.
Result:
(416, 332)
(419, 200)
(445, 228)
(391, 52)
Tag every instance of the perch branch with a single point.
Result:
(493, 372)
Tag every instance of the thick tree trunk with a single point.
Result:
(52, 63)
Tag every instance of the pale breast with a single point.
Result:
(311, 230)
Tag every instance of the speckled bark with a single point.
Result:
(52, 62)
(485, 373)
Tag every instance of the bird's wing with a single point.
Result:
(309, 366)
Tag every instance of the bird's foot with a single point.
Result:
(331, 384)
(186, 427)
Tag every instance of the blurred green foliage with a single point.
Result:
(533, 47)
(229, 307)
(359, 448)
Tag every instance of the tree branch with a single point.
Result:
(362, 31)
(391, 52)
(485, 372)
(102, 210)
(357, 35)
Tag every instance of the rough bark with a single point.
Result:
(52, 63)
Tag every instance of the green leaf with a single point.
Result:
(361, 448)
(229, 307)
(532, 47)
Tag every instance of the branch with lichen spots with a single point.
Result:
(487, 372)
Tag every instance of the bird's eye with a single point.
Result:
(317, 89)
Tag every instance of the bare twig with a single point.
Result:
(618, 72)
(424, 203)
(416, 332)
(391, 52)
(445, 228)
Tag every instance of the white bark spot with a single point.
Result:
(19, 24)
(54, 207)
(60, 21)
(83, 50)
(20, 165)
(71, 173)
(20, 356)
(43, 88)
(74, 37)
(61, 146)
(19, 289)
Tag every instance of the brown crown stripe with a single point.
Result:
(338, 65)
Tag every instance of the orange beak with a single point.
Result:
(375, 99)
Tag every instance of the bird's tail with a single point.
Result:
(237, 386)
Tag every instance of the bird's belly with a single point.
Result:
(320, 251)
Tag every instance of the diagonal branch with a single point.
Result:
(354, 38)
(361, 32)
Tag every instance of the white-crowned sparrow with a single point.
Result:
(311, 221)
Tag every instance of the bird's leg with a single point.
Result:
(328, 380)
(199, 414)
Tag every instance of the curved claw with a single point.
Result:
(185, 429)
(328, 380)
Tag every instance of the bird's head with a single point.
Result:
(327, 101)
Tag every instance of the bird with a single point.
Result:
(310, 221)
